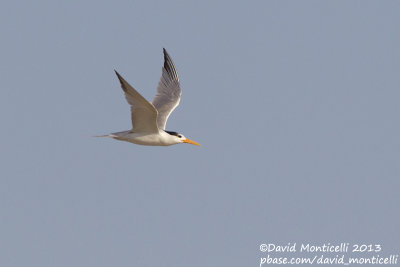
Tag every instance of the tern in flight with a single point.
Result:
(149, 119)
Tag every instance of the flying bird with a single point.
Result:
(149, 119)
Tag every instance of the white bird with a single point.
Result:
(149, 119)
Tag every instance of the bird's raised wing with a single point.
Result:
(143, 113)
(168, 91)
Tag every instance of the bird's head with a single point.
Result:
(180, 138)
(183, 139)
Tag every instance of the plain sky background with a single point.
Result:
(295, 103)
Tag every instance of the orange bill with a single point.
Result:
(191, 142)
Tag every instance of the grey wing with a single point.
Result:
(168, 91)
(143, 113)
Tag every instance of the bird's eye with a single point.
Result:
(179, 135)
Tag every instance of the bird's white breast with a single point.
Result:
(148, 139)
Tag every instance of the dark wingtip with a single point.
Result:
(119, 77)
(169, 66)
(165, 54)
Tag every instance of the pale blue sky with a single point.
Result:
(295, 103)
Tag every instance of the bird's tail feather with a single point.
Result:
(114, 135)
(107, 135)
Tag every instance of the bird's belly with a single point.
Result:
(143, 139)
